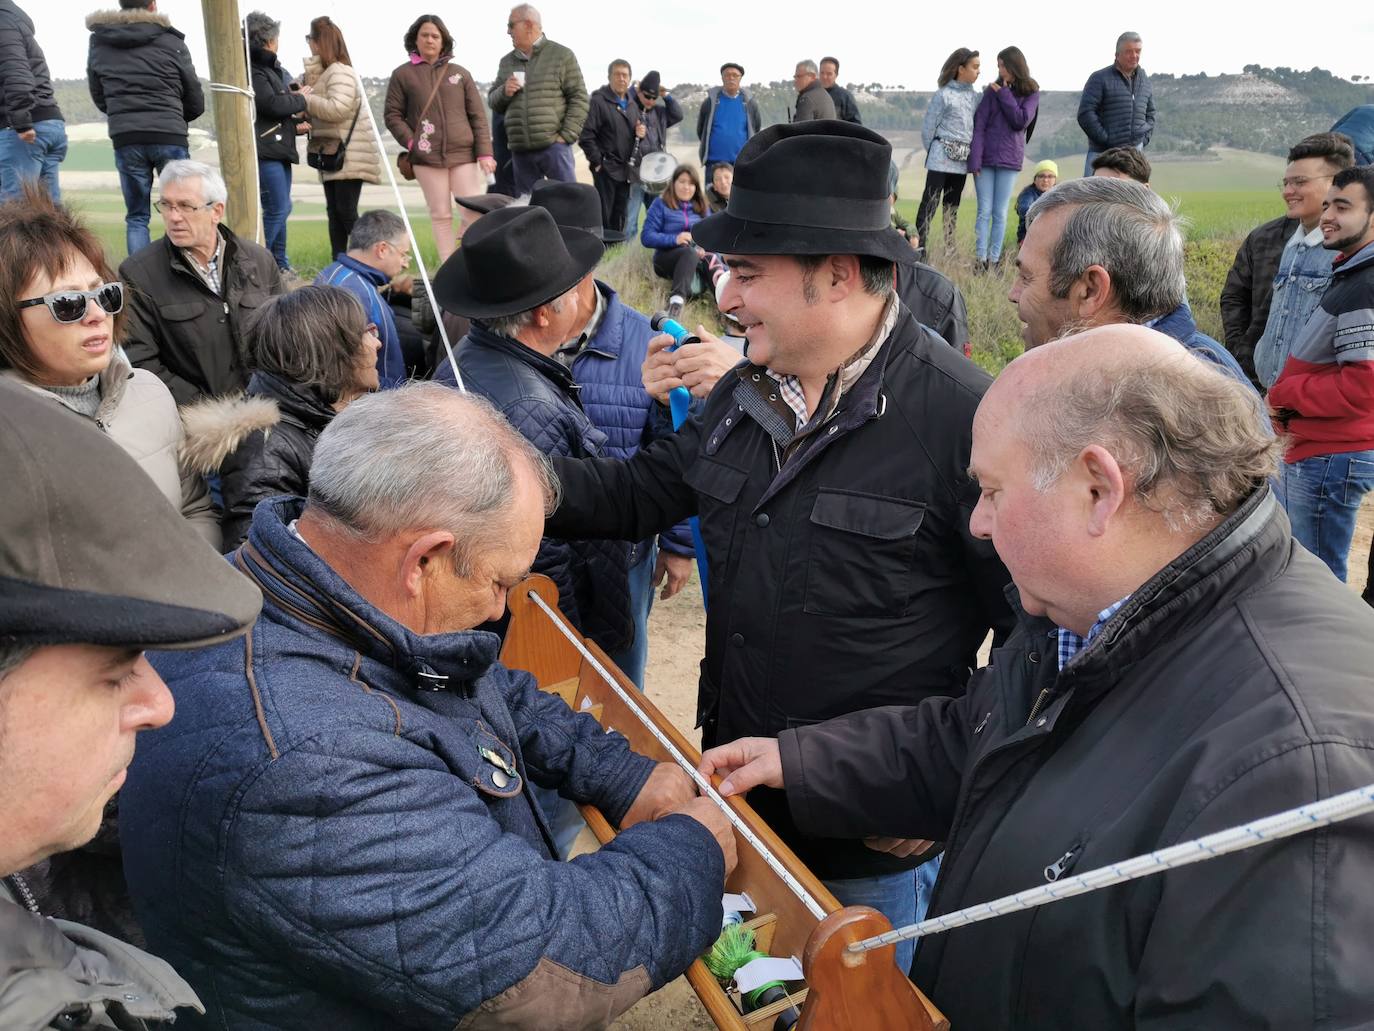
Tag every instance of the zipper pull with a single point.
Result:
(1056, 869)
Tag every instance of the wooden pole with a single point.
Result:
(238, 160)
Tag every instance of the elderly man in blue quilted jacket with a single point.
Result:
(1117, 108)
(338, 831)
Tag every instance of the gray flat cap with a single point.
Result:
(90, 550)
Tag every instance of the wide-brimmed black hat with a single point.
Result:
(573, 206)
(817, 187)
(513, 260)
(90, 550)
(485, 203)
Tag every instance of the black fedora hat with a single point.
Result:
(817, 187)
(485, 203)
(513, 260)
(573, 206)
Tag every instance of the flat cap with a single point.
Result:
(91, 552)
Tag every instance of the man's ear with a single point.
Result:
(1105, 486)
(1091, 293)
(423, 558)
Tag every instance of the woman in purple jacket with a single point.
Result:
(1002, 125)
(668, 230)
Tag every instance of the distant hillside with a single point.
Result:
(1260, 109)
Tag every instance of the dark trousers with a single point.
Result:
(946, 187)
(614, 196)
(341, 204)
(553, 162)
(680, 264)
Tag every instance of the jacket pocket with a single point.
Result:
(862, 554)
(183, 312)
(718, 487)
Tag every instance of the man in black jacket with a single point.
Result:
(829, 475)
(1180, 668)
(141, 76)
(660, 111)
(33, 136)
(190, 292)
(611, 138)
(845, 106)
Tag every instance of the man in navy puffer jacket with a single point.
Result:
(338, 830)
(1117, 108)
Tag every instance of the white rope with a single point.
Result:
(1345, 806)
(228, 87)
(701, 782)
(410, 231)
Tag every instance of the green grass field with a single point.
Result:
(1221, 200)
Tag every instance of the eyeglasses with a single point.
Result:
(181, 207)
(67, 306)
(1297, 182)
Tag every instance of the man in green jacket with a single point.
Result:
(540, 93)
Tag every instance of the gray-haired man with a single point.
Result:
(338, 831)
(190, 291)
(95, 567)
(1117, 108)
(1102, 251)
(812, 99)
(378, 252)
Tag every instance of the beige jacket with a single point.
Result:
(138, 413)
(331, 106)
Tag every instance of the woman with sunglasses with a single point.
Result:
(61, 319)
(313, 351)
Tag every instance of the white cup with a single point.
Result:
(519, 77)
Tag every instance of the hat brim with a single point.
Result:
(611, 235)
(726, 234)
(453, 288)
(485, 203)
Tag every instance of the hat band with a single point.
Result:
(807, 209)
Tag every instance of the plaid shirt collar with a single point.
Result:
(790, 388)
(1070, 643)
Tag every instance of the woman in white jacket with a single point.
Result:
(333, 104)
(60, 321)
(948, 133)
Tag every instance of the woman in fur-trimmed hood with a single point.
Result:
(313, 352)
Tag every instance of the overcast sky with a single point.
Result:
(901, 43)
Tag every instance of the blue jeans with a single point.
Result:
(136, 164)
(22, 162)
(631, 659)
(1322, 495)
(553, 162)
(274, 181)
(993, 186)
(1088, 163)
(633, 207)
(904, 898)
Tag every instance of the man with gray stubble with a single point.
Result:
(812, 99)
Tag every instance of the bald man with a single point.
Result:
(1179, 668)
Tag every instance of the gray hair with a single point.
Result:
(511, 325)
(808, 66)
(1126, 228)
(184, 169)
(374, 227)
(12, 655)
(1189, 437)
(528, 11)
(262, 29)
(423, 456)
(1127, 37)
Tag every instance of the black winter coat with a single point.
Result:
(25, 84)
(608, 135)
(540, 398)
(1115, 111)
(846, 108)
(936, 302)
(260, 443)
(1249, 290)
(847, 580)
(657, 121)
(178, 328)
(140, 75)
(277, 107)
(1234, 684)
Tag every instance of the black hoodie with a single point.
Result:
(140, 74)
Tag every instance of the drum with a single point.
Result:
(655, 169)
